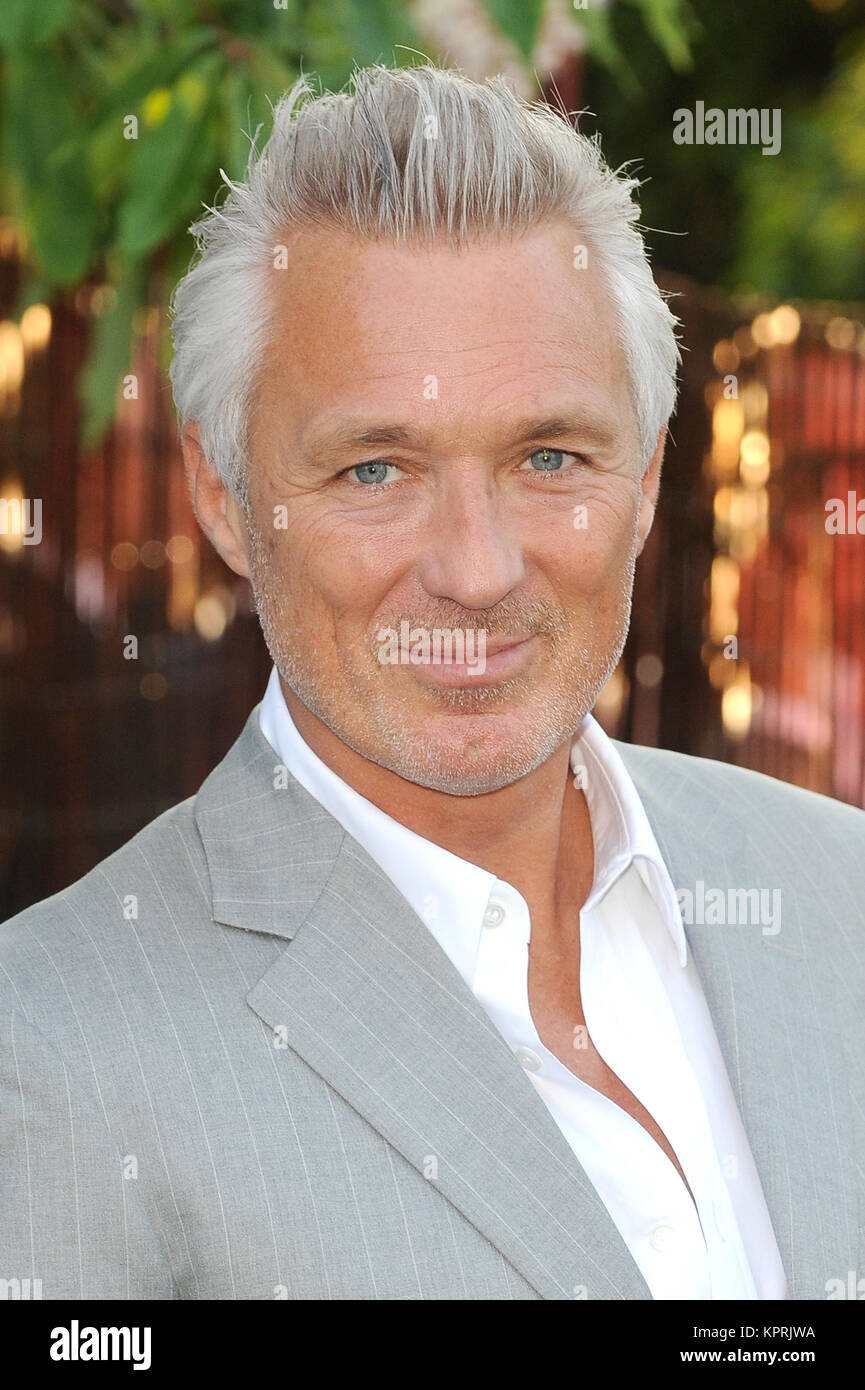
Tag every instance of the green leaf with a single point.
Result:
(376, 28)
(269, 74)
(174, 12)
(25, 22)
(236, 106)
(110, 352)
(603, 46)
(518, 20)
(168, 163)
(57, 201)
(63, 227)
(100, 140)
(106, 155)
(669, 22)
(157, 66)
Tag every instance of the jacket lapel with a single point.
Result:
(366, 996)
(768, 1001)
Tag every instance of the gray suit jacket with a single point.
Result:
(235, 1064)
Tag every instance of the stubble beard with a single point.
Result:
(386, 728)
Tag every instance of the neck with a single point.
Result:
(535, 833)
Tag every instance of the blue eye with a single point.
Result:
(372, 473)
(548, 460)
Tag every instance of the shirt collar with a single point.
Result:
(621, 831)
(449, 894)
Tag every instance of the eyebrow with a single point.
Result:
(595, 430)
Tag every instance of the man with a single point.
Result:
(402, 1005)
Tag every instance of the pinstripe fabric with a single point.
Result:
(235, 1064)
(789, 1006)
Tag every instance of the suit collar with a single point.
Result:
(270, 846)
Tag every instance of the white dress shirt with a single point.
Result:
(644, 1009)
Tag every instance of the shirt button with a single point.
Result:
(662, 1238)
(494, 915)
(528, 1059)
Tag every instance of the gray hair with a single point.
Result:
(416, 154)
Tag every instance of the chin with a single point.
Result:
(466, 755)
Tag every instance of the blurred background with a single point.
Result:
(748, 634)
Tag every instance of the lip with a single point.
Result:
(505, 657)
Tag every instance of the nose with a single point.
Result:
(474, 559)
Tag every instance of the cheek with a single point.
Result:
(333, 573)
(595, 554)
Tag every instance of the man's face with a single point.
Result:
(444, 439)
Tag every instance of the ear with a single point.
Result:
(649, 487)
(218, 511)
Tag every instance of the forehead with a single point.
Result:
(510, 322)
